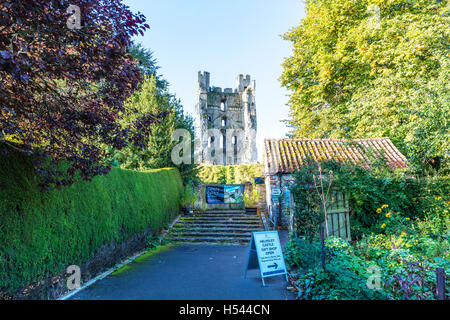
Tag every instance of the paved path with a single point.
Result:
(191, 272)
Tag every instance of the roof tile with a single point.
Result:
(287, 155)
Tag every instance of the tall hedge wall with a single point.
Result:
(235, 174)
(43, 233)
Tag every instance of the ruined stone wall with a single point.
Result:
(281, 183)
(226, 122)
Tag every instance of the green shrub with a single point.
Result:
(42, 233)
(251, 197)
(370, 189)
(235, 174)
(309, 213)
(189, 196)
(344, 278)
(401, 227)
(301, 254)
(403, 268)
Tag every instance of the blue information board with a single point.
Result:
(259, 180)
(228, 194)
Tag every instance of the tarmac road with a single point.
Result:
(189, 272)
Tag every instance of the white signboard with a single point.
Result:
(276, 191)
(265, 253)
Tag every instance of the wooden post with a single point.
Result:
(440, 283)
(322, 242)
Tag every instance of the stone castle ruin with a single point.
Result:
(226, 122)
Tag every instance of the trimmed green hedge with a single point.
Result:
(236, 174)
(43, 233)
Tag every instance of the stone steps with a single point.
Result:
(216, 226)
(253, 227)
(215, 229)
(213, 220)
(213, 234)
(219, 211)
(212, 240)
(221, 215)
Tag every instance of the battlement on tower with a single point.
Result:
(203, 80)
(242, 83)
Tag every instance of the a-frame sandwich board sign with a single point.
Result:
(266, 255)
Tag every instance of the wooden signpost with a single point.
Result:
(265, 254)
(440, 283)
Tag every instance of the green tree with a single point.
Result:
(373, 68)
(62, 88)
(148, 65)
(153, 98)
(157, 153)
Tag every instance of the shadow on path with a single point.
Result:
(189, 272)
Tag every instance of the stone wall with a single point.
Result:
(226, 122)
(262, 197)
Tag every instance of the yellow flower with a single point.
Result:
(383, 225)
(437, 198)
(379, 210)
(388, 215)
(384, 206)
(407, 219)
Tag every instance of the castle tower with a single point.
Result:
(226, 122)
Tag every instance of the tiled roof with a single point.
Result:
(287, 155)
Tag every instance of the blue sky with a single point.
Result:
(225, 38)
